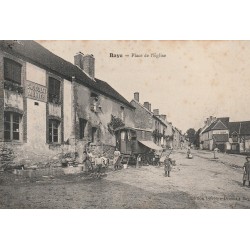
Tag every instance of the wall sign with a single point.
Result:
(36, 91)
(223, 132)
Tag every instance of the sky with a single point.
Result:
(191, 81)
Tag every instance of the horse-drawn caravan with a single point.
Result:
(136, 145)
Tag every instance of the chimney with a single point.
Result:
(86, 63)
(136, 96)
(146, 105)
(156, 111)
(149, 107)
(163, 117)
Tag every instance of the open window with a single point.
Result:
(93, 134)
(82, 126)
(54, 90)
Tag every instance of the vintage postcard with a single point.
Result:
(124, 124)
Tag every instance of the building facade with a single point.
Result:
(161, 130)
(239, 137)
(215, 134)
(49, 107)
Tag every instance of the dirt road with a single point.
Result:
(201, 182)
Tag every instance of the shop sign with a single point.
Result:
(36, 91)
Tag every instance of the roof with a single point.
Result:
(150, 112)
(234, 127)
(245, 128)
(42, 57)
(242, 127)
(219, 124)
(220, 137)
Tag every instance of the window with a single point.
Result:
(94, 102)
(123, 135)
(12, 71)
(122, 113)
(54, 90)
(12, 126)
(235, 138)
(94, 130)
(82, 125)
(54, 131)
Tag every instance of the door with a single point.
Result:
(123, 142)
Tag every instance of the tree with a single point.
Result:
(197, 138)
(115, 123)
(191, 135)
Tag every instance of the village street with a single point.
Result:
(201, 182)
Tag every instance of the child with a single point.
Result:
(117, 159)
(167, 166)
(98, 165)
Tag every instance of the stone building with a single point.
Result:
(49, 106)
(159, 130)
(178, 140)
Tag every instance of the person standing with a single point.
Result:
(138, 161)
(89, 160)
(98, 165)
(216, 151)
(117, 155)
(246, 174)
(167, 166)
(188, 151)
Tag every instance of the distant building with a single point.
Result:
(145, 118)
(202, 136)
(215, 134)
(178, 139)
(239, 136)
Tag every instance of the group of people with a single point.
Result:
(95, 163)
(98, 163)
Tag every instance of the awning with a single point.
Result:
(124, 128)
(151, 145)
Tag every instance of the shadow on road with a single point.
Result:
(92, 194)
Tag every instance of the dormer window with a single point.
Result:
(94, 105)
(235, 137)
